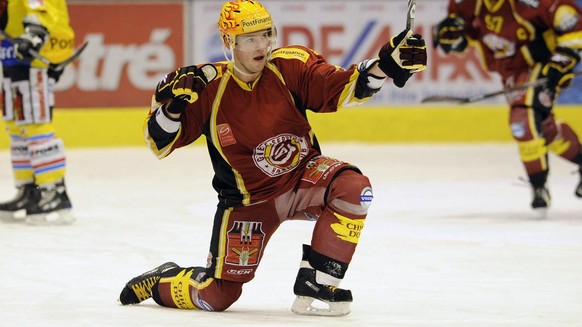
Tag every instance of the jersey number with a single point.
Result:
(494, 23)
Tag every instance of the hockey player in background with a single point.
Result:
(267, 163)
(38, 156)
(525, 41)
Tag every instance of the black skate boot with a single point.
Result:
(52, 207)
(541, 201)
(139, 288)
(541, 198)
(14, 211)
(334, 301)
(308, 290)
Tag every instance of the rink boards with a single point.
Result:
(111, 127)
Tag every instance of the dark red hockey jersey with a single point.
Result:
(512, 35)
(258, 135)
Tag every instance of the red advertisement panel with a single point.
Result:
(130, 48)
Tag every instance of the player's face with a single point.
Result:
(254, 41)
(251, 51)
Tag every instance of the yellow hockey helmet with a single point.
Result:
(240, 17)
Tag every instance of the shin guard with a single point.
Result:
(48, 161)
(21, 166)
(338, 229)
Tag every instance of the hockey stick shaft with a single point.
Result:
(477, 98)
(76, 54)
(53, 66)
(410, 14)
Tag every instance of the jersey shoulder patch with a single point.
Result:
(291, 53)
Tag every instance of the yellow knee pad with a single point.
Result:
(532, 150)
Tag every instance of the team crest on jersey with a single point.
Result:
(245, 243)
(280, 154)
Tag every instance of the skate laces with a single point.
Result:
(143, 289)
(46, 196)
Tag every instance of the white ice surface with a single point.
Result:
(449, 241)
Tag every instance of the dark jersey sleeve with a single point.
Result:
(320, 86)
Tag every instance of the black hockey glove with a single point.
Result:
(403, 56)
(183, 86)
(449, 34)
(30, 42)
(55, 74)
(559, 70)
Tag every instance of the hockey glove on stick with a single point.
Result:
(449, 34)
(403, 56)
(183, 86)
(560, 69)
(32, 40)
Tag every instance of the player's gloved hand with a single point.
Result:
(449, 34)
(55, 74)
(403, 56)
(559, 69)
(31, 41)
(182, 86)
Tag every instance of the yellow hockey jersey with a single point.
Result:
(54, 16)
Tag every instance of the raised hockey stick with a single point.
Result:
(63, 64)
(410, 14)
(475, 98)
(53, 66)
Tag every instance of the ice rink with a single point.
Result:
(449, 241)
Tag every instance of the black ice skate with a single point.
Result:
(52, 207)
(14, 211)
(541, 200)
(139, 288)
(335, 301)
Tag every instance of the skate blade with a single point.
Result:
(541, 213)
(55, 218)
(303, 305)
(13, 217)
